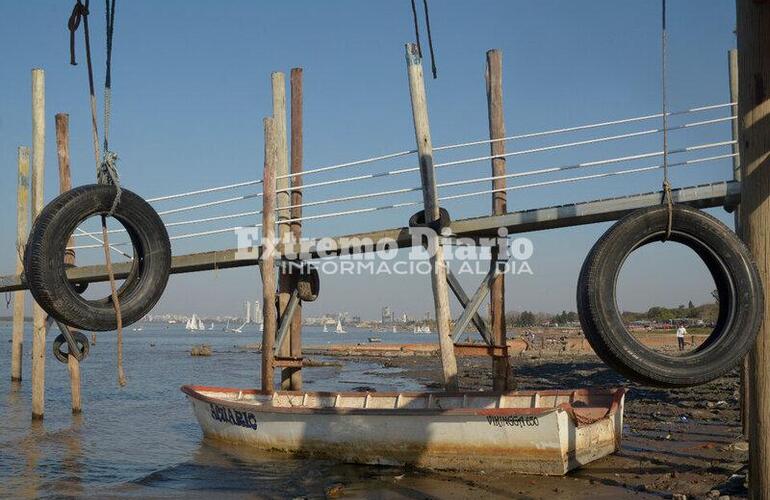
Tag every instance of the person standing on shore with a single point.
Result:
(680, 333)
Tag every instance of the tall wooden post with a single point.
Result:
(282, 206)
(753, 30)
(732, 71)
(295, 339)
(267, 259)
(494, 79)
(38, 171)
(431, 206)
(22, 216)
(65, 184)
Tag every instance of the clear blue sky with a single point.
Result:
(192, 83)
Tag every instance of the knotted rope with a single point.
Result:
(106, 168)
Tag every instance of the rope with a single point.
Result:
(430, 39)
(582, 143)
(586, 177)
(106, 170)
(666, 183)
(446, 164)
(391, 192)
(79, 11)
(585, 127)
(101, 242)
(115, 302)
(445, 198)
(459, 145)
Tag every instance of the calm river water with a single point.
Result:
(143, 440)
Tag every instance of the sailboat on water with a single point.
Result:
(339, 328)
(194, 323)
(326, 330)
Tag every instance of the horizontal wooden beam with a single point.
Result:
(725, 194)
(498, 351)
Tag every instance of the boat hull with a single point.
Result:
(526, 439)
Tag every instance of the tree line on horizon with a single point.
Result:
(706, 312)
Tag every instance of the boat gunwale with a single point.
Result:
(194, 391)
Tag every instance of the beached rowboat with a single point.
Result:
(540, 432)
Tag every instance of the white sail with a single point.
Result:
(248, 311)
(201, 326)
(339, 327)
(325, 328)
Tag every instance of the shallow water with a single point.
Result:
(142, 440)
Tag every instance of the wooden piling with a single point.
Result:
(267, 259)
(295, 338)
(22, 217)
(38, 171)
(753, 28)
(282, 201)
(65, 184)
(732, 70)
(431, 207)
(494, 80)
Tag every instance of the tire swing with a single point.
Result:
(734, 273)
(728, 260)
(46, 272)
(44, 267)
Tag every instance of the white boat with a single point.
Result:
(537, 432)
(394, 328)
(212, 326)
(262, 327)
(325, 328)
(237, 330)
(194, 323)
(339, 328)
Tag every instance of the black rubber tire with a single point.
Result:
(734, 272)
(45, 270)
(80, 339)
(443, 222)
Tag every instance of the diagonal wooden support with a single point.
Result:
(286, 320)
(462, 297)
(471, 309)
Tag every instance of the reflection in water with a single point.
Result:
(143, 440)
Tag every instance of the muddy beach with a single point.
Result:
(675, 442)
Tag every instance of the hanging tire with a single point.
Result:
(60, 342)
(741, 298)
(44, 258)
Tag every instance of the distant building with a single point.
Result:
(387, 315)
